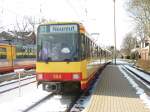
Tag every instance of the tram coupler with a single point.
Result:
(38, 83)
(52, 86)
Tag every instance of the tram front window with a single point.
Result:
(57, 47)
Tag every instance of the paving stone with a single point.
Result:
(113, 93)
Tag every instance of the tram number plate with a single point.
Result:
(57, 76)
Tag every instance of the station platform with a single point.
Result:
(6, 67)
(113, 93)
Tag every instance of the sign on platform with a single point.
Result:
(19, 70)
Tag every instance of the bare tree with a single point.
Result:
(26, 28)
(22, 28)
(5, 35)
(33, 23)
(139, 10)
(128, 44)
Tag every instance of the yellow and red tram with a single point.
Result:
(65, 57)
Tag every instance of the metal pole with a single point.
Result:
(18, 72)
(115, 31)
(19, 84)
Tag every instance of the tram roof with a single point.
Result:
(6, 45)
(62, 23)
(82, 27)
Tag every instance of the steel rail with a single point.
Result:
(16, 87)
(137, 75)
(39, 102)
(22, 79)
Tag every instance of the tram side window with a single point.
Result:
(96, 51)
(99, 52)
(89, 50)
(83, 47)
(3, 53)
(92, 50)
(91, 47)
(88, 47)
(102, 54)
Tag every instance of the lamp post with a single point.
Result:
(114, 30)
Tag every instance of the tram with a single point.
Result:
(66, 57)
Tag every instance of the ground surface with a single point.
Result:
(144, 64)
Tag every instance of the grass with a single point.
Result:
(144, 64)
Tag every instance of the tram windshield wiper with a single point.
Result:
(67, 60)
(75, 58)
(48, 59)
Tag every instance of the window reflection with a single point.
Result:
(57, 47)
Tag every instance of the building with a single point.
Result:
(144, 50)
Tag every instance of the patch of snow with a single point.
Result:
(11, 102)
(30, 94)
(143, 96)
(56, 104)
(16, 84)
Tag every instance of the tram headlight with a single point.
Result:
(40, 76)
(76, 76)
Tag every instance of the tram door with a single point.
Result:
(8, 52)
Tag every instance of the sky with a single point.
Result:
(96, 15)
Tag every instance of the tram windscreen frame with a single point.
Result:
(58, 43)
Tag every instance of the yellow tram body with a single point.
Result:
(10, 51)
(57, 69)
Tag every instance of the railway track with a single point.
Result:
(16, 81)
(39, 102)
(13, 75)
(140, 76)
(67, 100)
(5, 87)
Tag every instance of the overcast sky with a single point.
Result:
(96, 15)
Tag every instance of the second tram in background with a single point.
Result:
(66, 57)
